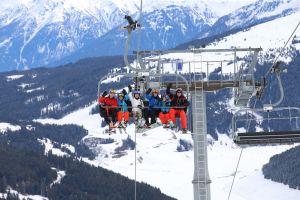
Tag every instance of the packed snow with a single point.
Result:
(161, 165)
(4, 127)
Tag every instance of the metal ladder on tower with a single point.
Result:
(201, 179)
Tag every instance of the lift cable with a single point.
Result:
(240, 156)
(135, 151)
(282, 50)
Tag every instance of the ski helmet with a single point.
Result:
(136, 92)
(112, 91)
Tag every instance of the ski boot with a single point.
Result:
(184, 131)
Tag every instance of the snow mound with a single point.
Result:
(14, 77)
(4, 127)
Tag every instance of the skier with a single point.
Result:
(179, 105)
(154, 102)
(108, 109)
(137, 106)
(123, 113)
(164, 114)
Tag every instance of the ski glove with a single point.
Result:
(129, 88)
(104, 93)
(169, 86)
(148, 91)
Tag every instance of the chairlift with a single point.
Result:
(144, 75)
(284, 120)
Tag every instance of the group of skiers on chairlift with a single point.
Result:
(116, 108)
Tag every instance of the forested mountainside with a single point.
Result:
(29, 171)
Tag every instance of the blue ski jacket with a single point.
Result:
(154, 102)
(122, 104)
(165, 106)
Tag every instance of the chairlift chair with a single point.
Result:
(287, 131)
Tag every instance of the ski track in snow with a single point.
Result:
(159, 163)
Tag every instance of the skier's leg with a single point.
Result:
(126, 116)
(172, 115)
(153, 116)
(162, 118)
(105, 116)
(146, 114)
(113, 114)
(183, 119)
(119, 115)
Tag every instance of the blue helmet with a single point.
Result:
(136, 92)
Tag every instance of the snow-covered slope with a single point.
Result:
(160, 164)
(270, 36)
(254, 13)
(219, 6)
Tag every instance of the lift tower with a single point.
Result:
(245, 86)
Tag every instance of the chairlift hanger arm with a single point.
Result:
(132, 25)
(277, 70)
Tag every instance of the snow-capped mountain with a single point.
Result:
(36, 33)
(254, 13)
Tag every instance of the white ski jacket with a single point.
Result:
(135, 103)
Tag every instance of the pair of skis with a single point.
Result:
(113, 127)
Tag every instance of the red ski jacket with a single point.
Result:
(106, 101)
